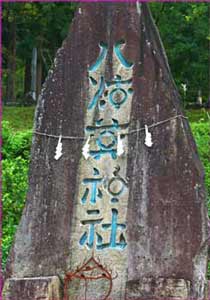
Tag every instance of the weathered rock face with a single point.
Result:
(45, 288)
(125, 218)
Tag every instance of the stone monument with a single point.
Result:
(116, 200)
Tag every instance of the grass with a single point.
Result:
(198, 115)
(20, 118)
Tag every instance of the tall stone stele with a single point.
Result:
(116, 200)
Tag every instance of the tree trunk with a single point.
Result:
(39, 74)
(27, 77)
(11, 63)
(33, 73)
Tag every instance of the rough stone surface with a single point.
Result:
(39, 288)
(162, 287)
(162, 207)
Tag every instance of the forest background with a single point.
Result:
(32, 33)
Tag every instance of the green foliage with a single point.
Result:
(201, 133)
(15, 163)
(14, 186)
(198, 115)
(15, 145)
(38, 25)
(184, 29)
(20, 118)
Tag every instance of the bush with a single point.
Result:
(15, 163)
(201, 132)
(15, 145)
(14, 186)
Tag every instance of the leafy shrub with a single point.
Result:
(16, 151)
(201, 132)
(15, 145)
(14, 186)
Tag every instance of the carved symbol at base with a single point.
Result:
(91, 270)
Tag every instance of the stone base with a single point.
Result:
(36, 288)
(156, 289)
(49, 288)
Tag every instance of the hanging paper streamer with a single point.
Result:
(120, 149)
(148, 138)
(86, 148)
(58, 152)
